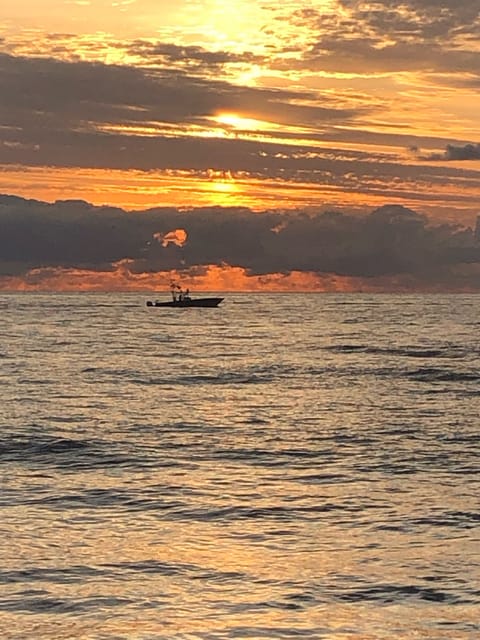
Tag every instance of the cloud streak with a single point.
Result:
(84, 96)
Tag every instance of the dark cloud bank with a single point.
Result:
(391, 240)
(452, 152)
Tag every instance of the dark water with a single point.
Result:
(284, 466)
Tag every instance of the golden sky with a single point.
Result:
(304, 106)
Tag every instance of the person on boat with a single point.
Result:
(186, 295)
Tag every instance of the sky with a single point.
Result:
(326, 145)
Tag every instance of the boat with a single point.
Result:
(182, 299)
(186, 302)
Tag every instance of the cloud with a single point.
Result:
(79, 97)
(112, 116)
(467, 152)
(193, 57)
(92, 115)
(391, 241)
(325, 137)
(470, 151)
(425, 19)
(177, 236)
(365, 37)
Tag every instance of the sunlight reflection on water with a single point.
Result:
(283, 466)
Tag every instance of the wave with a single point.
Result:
(431, 374)
(408, 352)
(457, 519)
(391, 593)
(252, 375)
(64, 453)
(43, 604)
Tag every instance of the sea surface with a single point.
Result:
(285, 466)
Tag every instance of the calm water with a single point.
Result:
(284, 466)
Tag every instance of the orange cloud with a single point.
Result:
(222, 278)
(178, 237)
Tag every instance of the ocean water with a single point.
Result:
(283, 466)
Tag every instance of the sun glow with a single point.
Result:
(239, 122)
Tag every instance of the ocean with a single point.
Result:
(284, 466)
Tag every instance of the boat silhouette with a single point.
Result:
(182, 299)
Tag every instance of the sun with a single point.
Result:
(235, 121)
